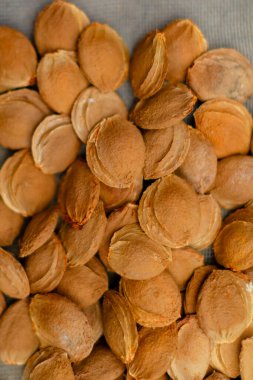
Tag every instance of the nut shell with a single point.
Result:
(113, 197)
(184, 43)
(60, 80)
(246, 367)
(166, 150)
(155, 351)
(10, 224)
(148, 66)
(191, 359)
(46, 266)
(231, 170)
(224, 306)
(194, 286)
(115, 152)
(233, 245)
(52, 130)
(17, 338)
(58, 26)
(170, 220)
(221, 73)
(132, 254)
(116, 220)
(39, 187)
(21, 111)
(2, 303)
(155, 302)
(60, 323)
(84, 285)
(227, 124)
(79, 194)
(94, 316)
(91, 107)
(225, 357)
(13, 279)
(103, 56)
(210, 222)
(120, 329)
(49, 363)
(102, 364)
(217, 376)
(167, 107)
(82, 244)
(200, 165)
(184, 262)
(18, 60)
(38, 231)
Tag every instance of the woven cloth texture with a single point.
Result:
(225, 23)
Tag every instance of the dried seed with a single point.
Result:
(184, 43)
(246, 367)
(45, 139)
(84, 285)
(233, 245)
(2, 303)
(149, 65)
(39, 187)
(46, 266)
(224, 306)
(210, 222)
(116, 220)
(191, 359)
(217, 376)
(166, 108)
(82, 245)
(103, 56)
(49, 363)
(225, 357)
(200, 165)
(60, 323)
(94, 316)
(155, 351)
(10, 224)
(60, 80)
(193, 288)
(91, 107)
(221, 73)
(115, 152)
(170, 220)
(132, 254)
(17, 338)
(227, 124)
(184, 262)
(13, 279)
(18, 60)
(166, 150)
(119, 326)
(79, 194)
(58, 26)
(38, 231)
(21, 111)
(234, 170)
(155, 302)
(113, 197)
(102, 364)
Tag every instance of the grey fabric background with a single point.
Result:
(225, 23)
